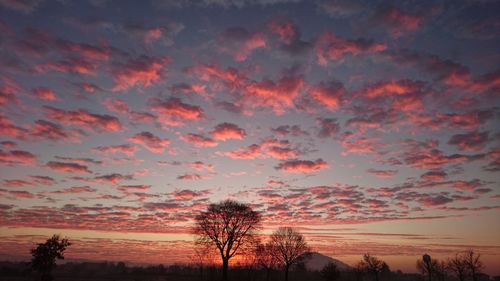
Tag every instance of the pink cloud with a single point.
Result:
(44, 94)
(400, 22)
(199, 140)
(174, 112)
(329, 127)
(16, 183)
(389, 88)
(75, 190)
(67, 167)
(188, 194)
(201, 166)
(332, 47)
(9, 128)
(50, 131)
(113, 178)
(130, 188)
(225, 131)
(190, 177)
(240, 43)
(302, 166)
(123, 148)
(17, 157)
(278, 95)
(250, 152)
(328, 95)
(473, 141)
(287, 32)
(282, 153)
(435, 175)
(85, 119)
(142, 72)
(71, 65)
(382, 173)
(150, 141)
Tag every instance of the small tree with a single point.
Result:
(289, 247)
(330, 272)
(228, 225)
(372, 265)
(265, 258)
(45, 255)
(474, 265)
(458, 266)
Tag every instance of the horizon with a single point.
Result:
(369, 126)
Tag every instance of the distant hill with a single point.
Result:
(317, 261)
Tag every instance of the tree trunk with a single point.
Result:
(267, 274)
(376, 276)
(225, 265)
(286, 272)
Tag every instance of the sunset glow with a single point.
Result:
(371, 127)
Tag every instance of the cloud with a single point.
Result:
(240, 43)
(17, 157)
(329, 127)
(199, 140)
(282, 153)
(70, 65)
(122, 148)
(302, 166)
(113, 178)
(382, 173)
(190, 177)
(390, 88)
(25, 6)
(16, 183)
(9, 128)
(287, 32)
(67, 167)
(399, 22)
(150, 141)
(331, 47)
(131, 188)
(329, 95)
(174, 112)
(44, 93)
(143, 72)
(473, 141)
(85, 119)
(434, 175)
(201, 166)
(250, 152)
(75, 190)
(188, 194)
(46, 130)
(225, 131)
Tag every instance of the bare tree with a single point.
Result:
(474, 265)
(372, 265)
(228, 225)
(45, 255)
(458, 266)
(265, 258)
(289, 247)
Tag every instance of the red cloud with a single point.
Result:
(16, 183)
(200, 166)
(129, 188)
(190, 177)
(328, 95)
(383, 173)
(282, 153)
(231, 76)
(17, 157)
(278, 95)
(75, 190)
(113, 178)
(185, 88)
(399, 21)
(390, 88)
(240, 43)
(44, 94)
(116, 105)
(8, 128)
(141, 72)
(473, 141)
(199, 140)
(302, 166)
(332, 47)
(85, 119)
(174, 112)
(123, 148)
(71, 65)
(329, 127)
(51, 131)
(68, 167)
(45, 180)
(285, 29)
(251, 152)
(187, 194)
(150, 141)
(225, 131)
(436, 175)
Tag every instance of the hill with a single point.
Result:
(317, 261)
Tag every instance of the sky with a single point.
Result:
(370, 126)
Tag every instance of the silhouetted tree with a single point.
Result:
(426, 266)
(45, 255)
(458, 266)
(440, 270)
(330, 272)
(474, 265)
(228, 225)
(289, 247)
(265, 258)
(372, 265)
